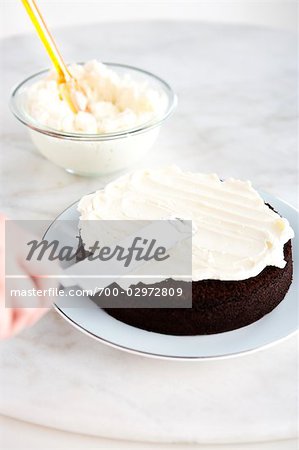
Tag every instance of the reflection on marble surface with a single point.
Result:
(237, 117)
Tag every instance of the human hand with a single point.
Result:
(14, 318)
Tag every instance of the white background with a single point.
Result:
(273, 13)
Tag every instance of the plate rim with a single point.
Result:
(170, 357)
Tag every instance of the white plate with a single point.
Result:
(275, 326)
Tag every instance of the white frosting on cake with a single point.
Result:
(237, 235)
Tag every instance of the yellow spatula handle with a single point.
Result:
(48, 41)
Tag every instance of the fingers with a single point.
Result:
(20, 312)
(14, 320)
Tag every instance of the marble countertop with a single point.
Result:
(19, 435)
(236, 116)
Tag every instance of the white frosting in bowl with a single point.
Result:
(111, 102)
(237, 234)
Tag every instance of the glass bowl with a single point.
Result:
(94, 154)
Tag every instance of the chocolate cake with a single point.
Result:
(241, 253)
(218, 306)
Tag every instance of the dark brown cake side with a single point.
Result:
(218, 306)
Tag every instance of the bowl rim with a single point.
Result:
(34, 125)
